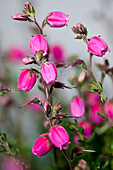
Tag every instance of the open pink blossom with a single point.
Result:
(57, 19)
(98, 47)
(108, 107)
(77, 107)
(27, 80)
(42, 145)
(59, 137)
(38, 43)
(95, 118)
(49, 72)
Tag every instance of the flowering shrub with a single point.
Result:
(79, 133)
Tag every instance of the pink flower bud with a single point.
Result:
(108, 106)
(42, 145)
(57, 53)
(27, 80)
(98, 47)
(28, 60)
(77, 107)
(95, 118)
(92, 98)
(38, 43)
(88, 129)
(49, 72)
(59, 137)
(57, 19)
(21, 17)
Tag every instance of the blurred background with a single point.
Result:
(22, 125)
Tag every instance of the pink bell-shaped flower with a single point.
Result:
(95, 118)
(27, 80)
(49, 72)
(42, 145)
(92, 98)
(57, 19)
(108, 107)
(77, 107)
(98, 47)
(59, 137)
(38, 43)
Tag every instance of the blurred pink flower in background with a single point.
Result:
(57, 53)
(92, 98)
(16, 53)
(34, 106)
(13, 163)
(49, 72)
(59, 137)
(77, 107)
(42, 145)
(57, 19)
(108, 107)
(98, 47)
(87, 131)
(96, 119)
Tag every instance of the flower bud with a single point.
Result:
(57, 19)
(28, 60)
(27, 80)
(108, 107)
(47, 108)
(38, 43)
(77, 107)
(98, 47)
(81, 29)
(59, 137)
(49, 72)
(42, 145)
(20, 17)
(95, 118)
(82, 77)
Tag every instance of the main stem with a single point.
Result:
(68, 159)
(90, 66)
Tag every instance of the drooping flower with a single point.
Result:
(49, 72)
(27, 80)
(108, 107)
(38, 43)
(77, 107)
(42, 145)
(57, 19)
(95, 118)
(59, 137)
(98, 47)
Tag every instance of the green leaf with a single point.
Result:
(1, 94)
(99, 114)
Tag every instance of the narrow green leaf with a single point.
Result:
(99, 114)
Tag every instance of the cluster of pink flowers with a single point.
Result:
(57, 136)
